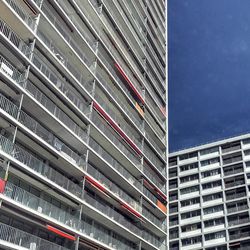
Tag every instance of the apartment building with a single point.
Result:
(83, 124)
(209, 196)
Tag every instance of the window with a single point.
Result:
(189, 190)
(189, 178)
(214, 222)
(216, 235)
(188, 156)
(209, 162)
(191, 241)
(212, 197)
(209, 151)
(189, 167)
(211, 185)
(210, 173)
(190, 214)
(190, 202)
(214, 209)
(191, 227)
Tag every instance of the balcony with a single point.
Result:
(41, 132)
(154, 160)
(213, 215)
(215, 241)
(18, 8)
(38, 166)
(238, 221)
(191, 233)
(115, 164)
(234, 183)
(64, 86)
(43, 208)
(13, 238)
(112, 187)
(12, 37)
(214, 228)
(151, 217)
(235, 196)
(135, 118)
(236, 209)
(239, 235)
(190, 207)
(115, 139)
(119, 124)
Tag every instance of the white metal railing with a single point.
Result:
(14, 39)
(117, 119)
(114, 163)
(33, 162)
(154, 159)
(22, 239)
(63, 85)
(136, 120)
(113, 187)
(22, 13)
(161, 152)
(86, 227)
(113, 136)
(39, 130)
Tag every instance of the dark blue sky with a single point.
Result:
(209, 70)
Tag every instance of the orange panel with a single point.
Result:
(161, 206)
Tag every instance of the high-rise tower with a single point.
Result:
(209, 196)
(83, 124)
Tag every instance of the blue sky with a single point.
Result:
(209, 70)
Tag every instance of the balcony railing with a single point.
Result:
(136, 120)
(110, 212)
(43, 207)
(14, 39)
(152, 178)
(235, 183)
(150, 195)
(127, 129)
(107, 130)
(64, 59)
(39, 130)
(239, 235)
(113, 187)
(151, 217)
(22, 239)
(22, 13)
(154, 160)
(161, 152)
(233, 171)
(238, 221)
(236, 209)
(235, 196)
(63, 85)
(115, 164)
(34, 163)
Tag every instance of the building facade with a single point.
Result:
(83, 125)
(209, 196)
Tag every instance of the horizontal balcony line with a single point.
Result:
(39, 167)
(22, 13)
(105, 185)
(114, 95)
(155, 189)
(20, 238)
(10, 35)
(62, 217)
(116, 127)
(109, 133)
(135, 90)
